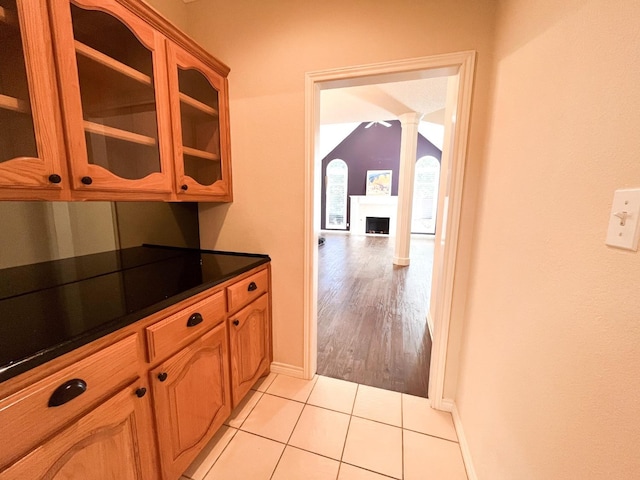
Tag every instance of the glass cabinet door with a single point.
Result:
(31, 145)
(200, 127)
(118, 123)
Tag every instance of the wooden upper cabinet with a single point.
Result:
(200, 119)
(113, 73)
(31, 140)
(106, 100)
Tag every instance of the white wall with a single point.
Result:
(549, 384)
(269, 46)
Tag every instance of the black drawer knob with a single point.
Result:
(184, 187)
(55, 178)
(236, 322)
(194, 320)
(141, 392)
(86, 180)
(67, 392)
(162, 376)
(252, 286)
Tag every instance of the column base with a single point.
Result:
(401, 261)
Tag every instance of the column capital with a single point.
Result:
(410, 118)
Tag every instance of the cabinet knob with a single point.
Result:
(194, 320)
(55, 178)
(67, 392)
(86, 180)
(184, 187)
(162, 376)
(236, 322)
(252, 286)
(141, 392)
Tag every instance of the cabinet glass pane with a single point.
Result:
(200, 127)
(17, 135)
(117, 92)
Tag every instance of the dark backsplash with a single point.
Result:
(35, 232)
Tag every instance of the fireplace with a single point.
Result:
(377, 225)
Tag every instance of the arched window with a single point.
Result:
(336, 195)
(425, 195)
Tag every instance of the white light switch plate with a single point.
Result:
(624, 224)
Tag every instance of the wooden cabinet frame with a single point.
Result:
(26, 172)
(60, 125)
(185, 185)
(67, 51)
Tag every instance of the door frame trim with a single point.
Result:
(460, 65)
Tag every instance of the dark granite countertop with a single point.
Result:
(48, 309)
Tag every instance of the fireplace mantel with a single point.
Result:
(363, 206)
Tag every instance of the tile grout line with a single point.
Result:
(344, 445)
(249, 413)
(293, 429)
(204, 477)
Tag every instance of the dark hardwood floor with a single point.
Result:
(372, 315)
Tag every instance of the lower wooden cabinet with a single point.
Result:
(191, 399)
(249, 340)
(202, 358)
(113, 441)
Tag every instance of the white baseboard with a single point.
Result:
(286, 369)
(446, 405)
(464, 446)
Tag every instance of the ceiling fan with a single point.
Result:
(381, 122)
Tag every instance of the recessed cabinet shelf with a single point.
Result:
(194, 152)
(202, 107)
(13, 104)
(8, 17)
(117, 133)
(112, 63)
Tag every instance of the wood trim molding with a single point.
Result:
(461, 64)
(153, 17)
(455, 181)
(462, 441)
(286, 369)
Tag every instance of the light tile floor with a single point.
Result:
(328, 429)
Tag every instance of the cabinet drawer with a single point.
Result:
(28, 417)
(247, 290)
(174, 332)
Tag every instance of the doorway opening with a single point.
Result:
(458, 66)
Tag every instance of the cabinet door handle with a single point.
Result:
(141, 392)
(236, 322)
(184, 187)
(86, 180)
(55, 178)
(252, 286)
(67, 392)
(194, 320)
(162, 376)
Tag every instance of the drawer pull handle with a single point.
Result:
(141, 392)
(252, 286)
(162, 376)
(194, 320)
(67, 392)
(236, 322)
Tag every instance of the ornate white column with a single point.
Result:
(408, 152)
